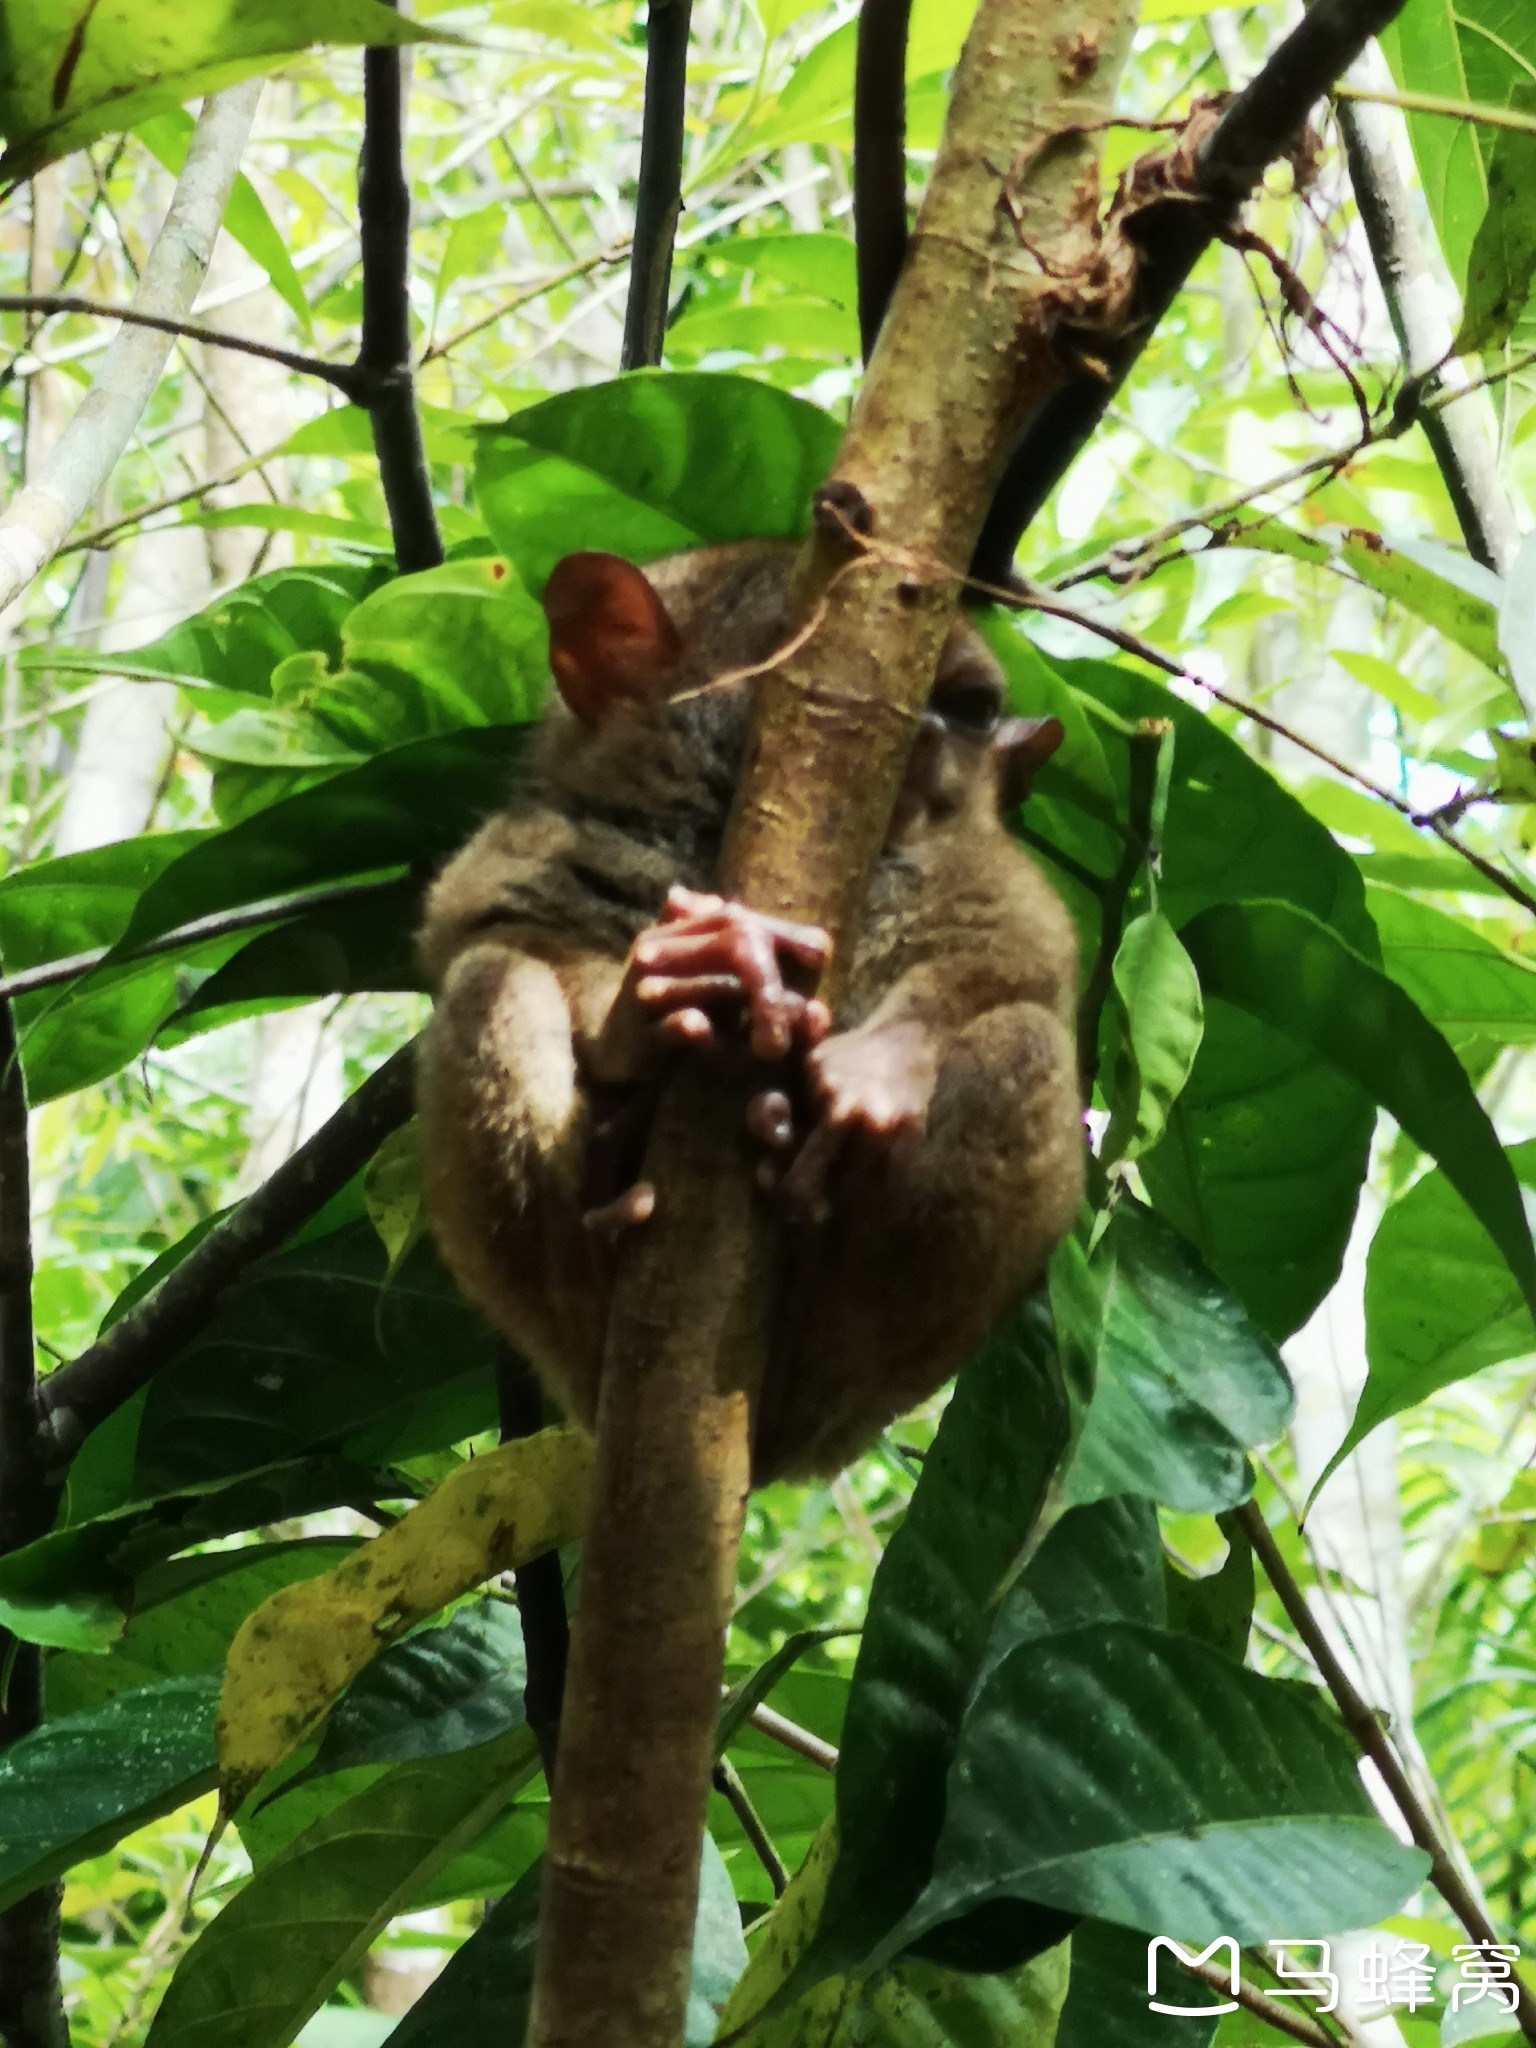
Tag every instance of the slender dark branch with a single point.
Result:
(1372, 1740)
(1256, 127)
(727, 1782)
(31, 2011)
(1462, 451)
(218, 924)
(128, 1355)
(790, 1735)
(880, 159)
(1132, 643)
(348, 378)
(540, 1584)
(384, 355)
(1146, 746)
(659, 197)
(1253, 2000)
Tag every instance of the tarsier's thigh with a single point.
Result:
(915, 1268)
(504, 1139)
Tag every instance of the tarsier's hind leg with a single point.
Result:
(504, 1143)
(887, 1299)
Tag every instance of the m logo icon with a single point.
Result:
(1225, 1944)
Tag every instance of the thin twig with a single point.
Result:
(219, 924)
(540, 1584)
(31, 2011)
(384, 350)
(346, 377)
(1372, 1740)
(1146, 747)
(1132, 643)
(126, 1357)
(790, 1735)
(880, 228)
(1256, 128)
(1517, 121)
(728, 1784)
(1263, 2007)
(659, 196)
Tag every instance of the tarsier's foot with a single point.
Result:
(610, 1220)
(709, 964)
(870, 1091)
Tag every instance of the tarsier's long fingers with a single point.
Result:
(806, 943)
(725, 938)
(636, 1205)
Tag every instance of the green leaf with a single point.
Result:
(312, 1350)
(1295, 974)
(821, 265)
(1135, 1776)
(166, 136)
(1161, 1022)
(1107, 1997)
(1455, 595)
(80, 1784)
(179, 1628)
(484, 1992)
(649, 464)
(1466, 986)
(237, 641)
(313, 1912)
(1262, 1165)
(367, 944)
(1502, 264)
(1440, 1304)
(61, 87)
(1187, 1381)
(440, 1691)
(981, 1493)
(1480, 50)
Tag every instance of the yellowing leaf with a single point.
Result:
(297, 1652)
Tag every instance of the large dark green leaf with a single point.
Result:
(309, 1916)
(236, 642)
(1440, 1303)
(1262, 1164)
(1187, 1381)
(1107, 1996)
(81, 1784)
(1295, 974)
(1465, 985)
(1125, 1773)
(1266, 1146)
(649, 464)
(931, 1610)
(483, 1994)
(316, 1350)
(442, 1690)
(344, 949)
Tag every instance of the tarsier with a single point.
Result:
(925, 1150)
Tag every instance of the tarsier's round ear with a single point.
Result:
(1023, 747)
(611, 639)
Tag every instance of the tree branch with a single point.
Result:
(880, 159)
(659, 197)
(31, 2009)
(728, 1783)
(40, 515)
(345, 376)
(384, 354)
(1146, 747)
(1456, 434)
(965, 352)
(84, 1393)
(1372, 1740)
(540, 1584)
(1255, 128)
(219, 924)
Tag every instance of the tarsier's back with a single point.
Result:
(925, 1154)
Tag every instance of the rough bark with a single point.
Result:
(1005, 243)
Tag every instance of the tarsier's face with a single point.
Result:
(624, 641)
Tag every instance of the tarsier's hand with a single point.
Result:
(870, 1090)
(711, 964)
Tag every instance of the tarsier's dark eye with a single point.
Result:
(969, 703)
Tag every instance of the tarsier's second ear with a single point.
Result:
(1024, 745)
(611, 639)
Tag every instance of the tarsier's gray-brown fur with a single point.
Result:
(966, 962)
